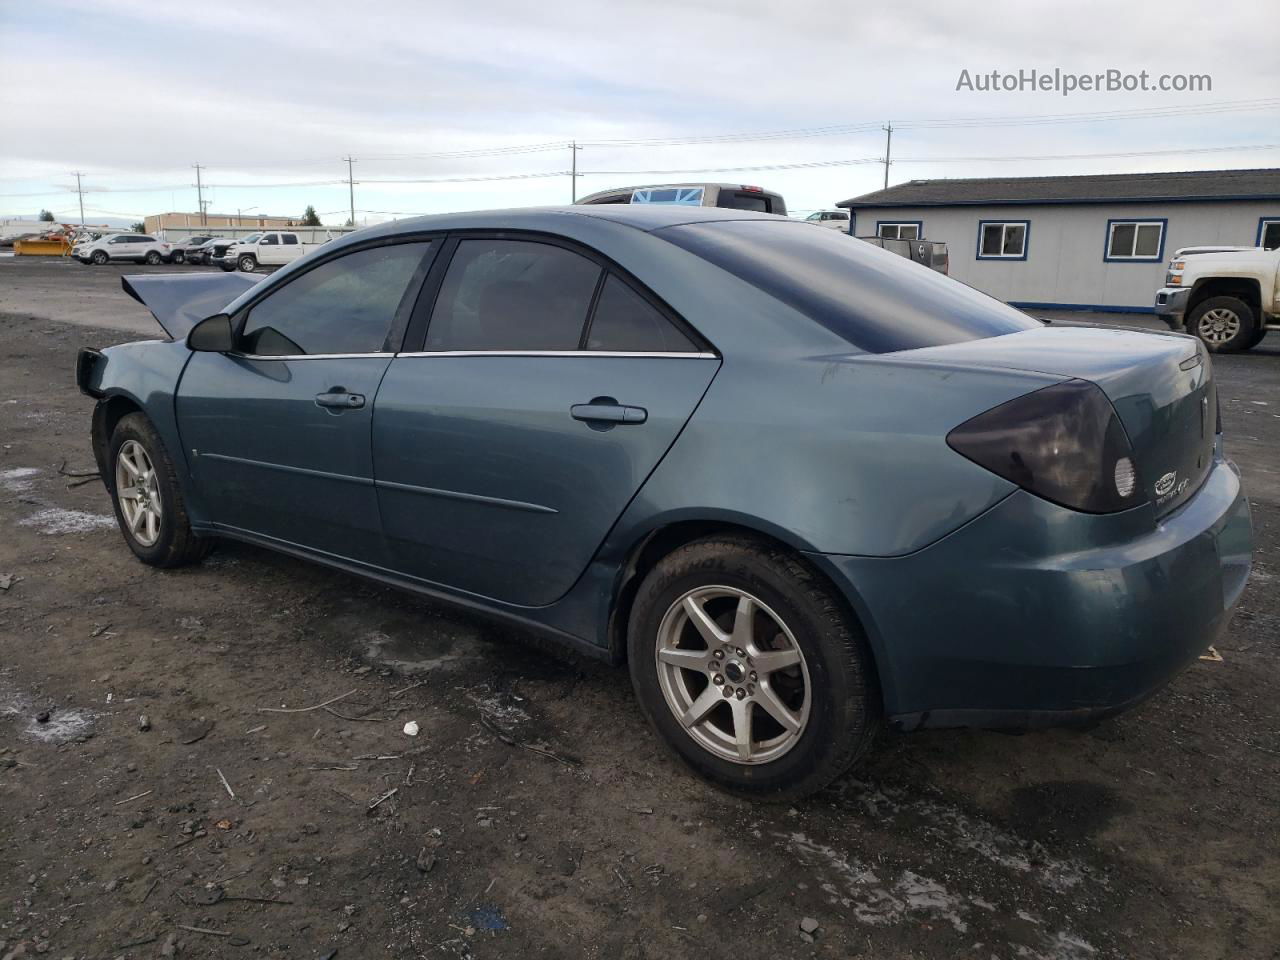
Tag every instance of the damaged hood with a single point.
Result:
(180, 302)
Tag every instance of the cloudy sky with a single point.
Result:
(269, 96)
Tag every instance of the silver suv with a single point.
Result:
(137, 247)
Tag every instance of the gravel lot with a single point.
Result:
(535, 814)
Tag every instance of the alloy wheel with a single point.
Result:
(733, 674)
(1218, 325)
(138, 490)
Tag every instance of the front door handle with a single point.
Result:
(340, 400)
(606, 410)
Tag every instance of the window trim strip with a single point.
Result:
(553, 353)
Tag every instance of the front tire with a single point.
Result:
(747, 664)
(1224, 324)
(99, 257)
(148, 502)
(247, 263)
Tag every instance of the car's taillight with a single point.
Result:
(1064, 443)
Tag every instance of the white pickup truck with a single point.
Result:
(1227, 298)
(271, 248)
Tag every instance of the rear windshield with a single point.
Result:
(754, 200)
(877, 301)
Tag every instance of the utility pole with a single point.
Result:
(200, 195)
(888, 144)
(573, 172)
(351, 189)
(78, 175)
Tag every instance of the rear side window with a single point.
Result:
(626, 322)
(290, 240)
(877, 301)
(512, 295)
(347, 305)
(755, 200)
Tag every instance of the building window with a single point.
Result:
(1269, 232)
(905, 230)
(1003, 239)
(1135, 240)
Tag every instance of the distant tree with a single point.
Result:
(46, 216)
(310, 218)
(139, 227)
(349, 222)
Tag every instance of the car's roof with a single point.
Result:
(646, 217)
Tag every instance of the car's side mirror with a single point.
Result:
(212, 335)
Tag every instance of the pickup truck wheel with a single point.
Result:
(152, 258)
(751, 669)
(1225, 324)
(99, 257)
(147, 499)
(247, 263)
(179, 256)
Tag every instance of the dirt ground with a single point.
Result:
(535, 814)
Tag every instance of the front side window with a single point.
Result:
(1006, 240)
(347, 305)
(681, 196)
(898, 231)
(1269, 233)
(509, 295)
(270, 240)
(816, 216)
(1135, 239)
(625, 322)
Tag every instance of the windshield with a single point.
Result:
(251, 238)
(876, 300)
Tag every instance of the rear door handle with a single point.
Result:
(340, 400)
(605, 410)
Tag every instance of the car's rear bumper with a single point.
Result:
(1036, 615)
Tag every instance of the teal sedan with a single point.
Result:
(803, 487)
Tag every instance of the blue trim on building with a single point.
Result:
(1026, 240)
(1262, 223)
(919, 227)
(1106, 240)
(992, 202)
(1091, 307)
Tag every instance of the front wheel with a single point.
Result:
(99, 257)
(147, 499)
(749, 667)
(1225, 324)
(247, 263)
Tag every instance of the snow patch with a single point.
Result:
(18, 479)
(55, 520)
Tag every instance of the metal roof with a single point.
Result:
(1260, 184)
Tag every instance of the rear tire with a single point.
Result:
(152, 258)
(1224, 324)
(822, 674)
(179, 256)
(148, 501)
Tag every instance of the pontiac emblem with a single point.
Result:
(1165, 483)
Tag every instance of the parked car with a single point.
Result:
(728, 196)
(135, 247)
(801, 486)
(1227, 298)
(271, 248)
(831, 219)
(215, 251)
(184, 250)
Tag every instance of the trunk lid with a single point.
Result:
(1161, 385)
